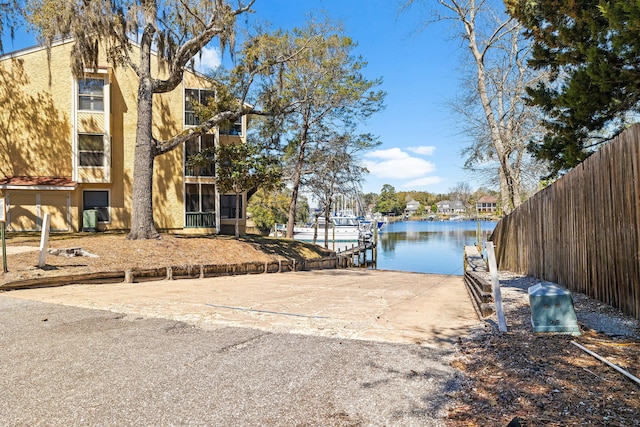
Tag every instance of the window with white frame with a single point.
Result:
(98, 200)
(91, 150)
(91, 94)
(228, 206)
(191, 97)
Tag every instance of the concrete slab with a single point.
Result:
(398, 307)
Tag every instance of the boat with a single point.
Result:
(343, 228)
(380, 221)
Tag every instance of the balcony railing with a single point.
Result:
(200, 220)
(208, 170)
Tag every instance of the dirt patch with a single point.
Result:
(543, 379)
(115, 253)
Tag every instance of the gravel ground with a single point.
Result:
(63, 366)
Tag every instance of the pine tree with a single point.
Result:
(592, 51)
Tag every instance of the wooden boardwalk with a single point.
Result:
(474, 260)
(364, 254)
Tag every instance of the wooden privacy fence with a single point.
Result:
(583, 231)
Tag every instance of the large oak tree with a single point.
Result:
(9, 10)
(131, 31)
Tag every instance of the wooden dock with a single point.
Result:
(363, 254)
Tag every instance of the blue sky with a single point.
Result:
(420, 143)
(420, 70)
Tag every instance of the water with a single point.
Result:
(428, 246)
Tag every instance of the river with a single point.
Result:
(428, 246)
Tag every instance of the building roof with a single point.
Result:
(60, 42)
(37, 183)
(488, 199)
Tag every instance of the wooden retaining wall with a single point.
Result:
(475, 279)
(181, 272)
(218, 270)
(583, 231)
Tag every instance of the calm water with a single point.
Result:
(428, 246)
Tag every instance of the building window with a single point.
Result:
(200, 206)
(200, 198)
(98, 200)
(195, 146)
(228, 206)
(192, 96)
(232, 128)
(91, 94)
(91, 150)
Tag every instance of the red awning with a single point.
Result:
(37, 183)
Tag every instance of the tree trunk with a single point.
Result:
(315, 229)
(142, 226)
(237, 230)
(327, 222)
(507, 191)
(504, 193)
(297, 174)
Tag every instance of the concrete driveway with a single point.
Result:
(242, 364)
(375, 305)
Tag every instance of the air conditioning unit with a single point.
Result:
(89, 220)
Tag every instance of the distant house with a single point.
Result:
(487, 204)
(411, 208)
(444, 206)
(459, 207)
(451, 207)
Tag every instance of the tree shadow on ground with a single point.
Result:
(290, 249)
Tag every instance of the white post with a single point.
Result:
(495, 284)
(44, 241)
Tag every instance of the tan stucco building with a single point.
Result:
(67, 146)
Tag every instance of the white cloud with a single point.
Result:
(391, 153)
(209, 59)
(425, 150)
(422, 182)
(397, 164)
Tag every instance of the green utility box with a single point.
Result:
(89, 220)
(552, 309)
